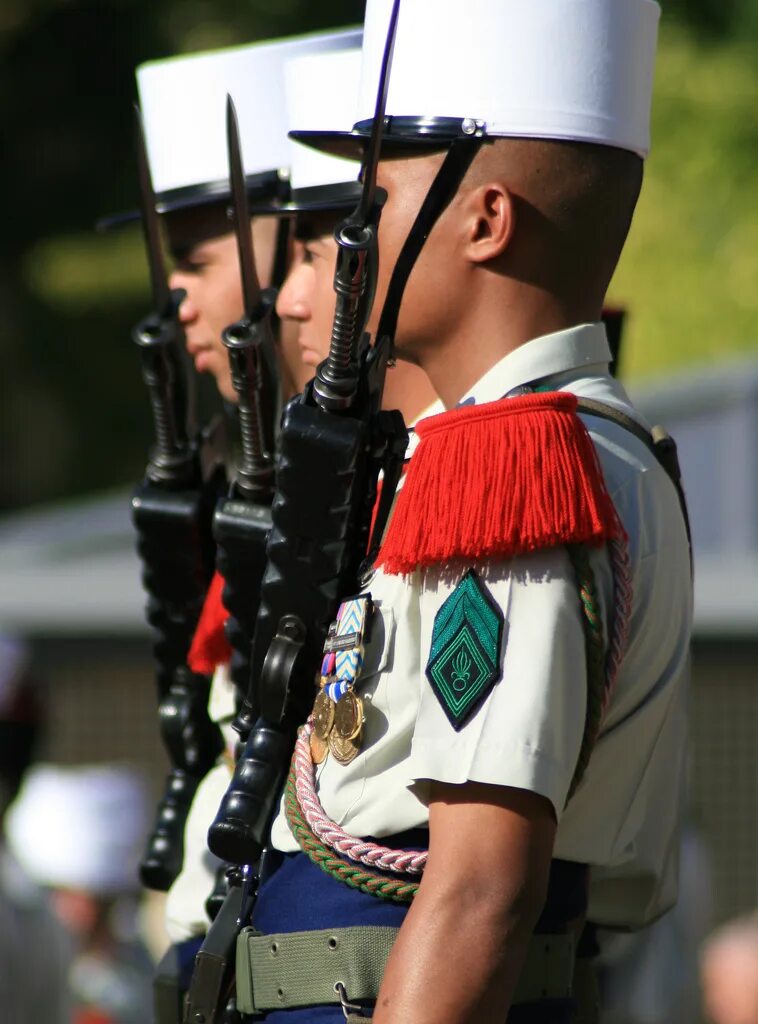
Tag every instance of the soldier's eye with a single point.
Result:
(187, 266)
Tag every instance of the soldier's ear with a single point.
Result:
(491, 221)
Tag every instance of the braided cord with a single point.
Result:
(411, 862)
(596, 660)
(355, 877)
(623, 594)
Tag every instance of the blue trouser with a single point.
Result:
(299, 896)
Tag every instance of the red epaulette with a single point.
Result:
(499, 480)
(210, 647)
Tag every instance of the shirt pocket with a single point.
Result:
(379, 648)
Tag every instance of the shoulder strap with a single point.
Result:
(658, 441)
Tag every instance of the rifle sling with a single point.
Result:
(658, 441)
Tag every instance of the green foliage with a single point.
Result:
(689, 274)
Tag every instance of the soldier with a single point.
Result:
(324, 189)
(183, 104)
(506, 746)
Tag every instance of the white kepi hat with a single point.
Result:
(80, 828)
(319, 85)
(550, 69)
(183, 102)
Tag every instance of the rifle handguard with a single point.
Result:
(249, 343)
(164, 372)
(336, 383)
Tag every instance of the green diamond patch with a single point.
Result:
(464, 660)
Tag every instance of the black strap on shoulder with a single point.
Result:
(658, 441)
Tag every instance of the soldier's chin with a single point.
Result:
(310, 357)
(204, 361)
(226, 390)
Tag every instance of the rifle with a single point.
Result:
(243, 519)
(334, 441)
(172, 511)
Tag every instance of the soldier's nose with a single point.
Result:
(187, 310)
(291, 303)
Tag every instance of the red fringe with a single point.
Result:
(210, 647)
(500, 479)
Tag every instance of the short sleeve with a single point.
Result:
(527, 730)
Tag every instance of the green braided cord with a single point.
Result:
(595, 646)
(354, 876)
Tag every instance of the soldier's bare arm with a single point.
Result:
(461, 948)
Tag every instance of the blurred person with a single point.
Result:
(324, 191)
(729, 972)
(651, 976)
(35, 951)
(78, 832)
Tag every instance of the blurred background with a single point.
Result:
(75, 425)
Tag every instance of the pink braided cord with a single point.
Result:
(410, 862)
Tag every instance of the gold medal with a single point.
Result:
(319, 748)
(348, 716)
(323, 715)
(343, 750)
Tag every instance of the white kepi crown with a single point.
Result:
(315, 84)
(550, 69)
(183, 103)
(80, 827)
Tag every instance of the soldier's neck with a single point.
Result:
(496, 326)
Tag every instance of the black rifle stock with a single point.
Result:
(172, 511)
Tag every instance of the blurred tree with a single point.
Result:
(72, 408)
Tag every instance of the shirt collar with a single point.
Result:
(433, 410)
(572, 349)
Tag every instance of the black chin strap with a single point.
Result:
(445, 185)
(281, 253)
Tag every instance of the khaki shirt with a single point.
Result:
(623, 819)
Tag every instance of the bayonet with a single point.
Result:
(163, 304)
(251, 289)
(367, 203)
